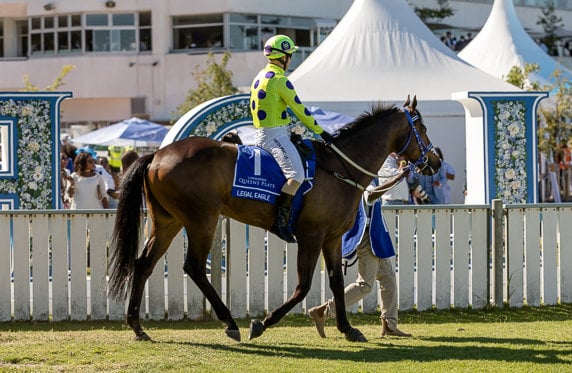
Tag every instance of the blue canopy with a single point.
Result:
(128, 132)
(328, 120)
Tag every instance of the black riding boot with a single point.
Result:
(284, 203)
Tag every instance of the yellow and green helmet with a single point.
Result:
(278, 46)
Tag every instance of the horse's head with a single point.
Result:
(417, 148)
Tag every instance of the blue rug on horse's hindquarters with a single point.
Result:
(257, 176)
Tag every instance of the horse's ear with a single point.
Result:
(414, 103)
(407, 102)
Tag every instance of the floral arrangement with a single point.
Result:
(33, 184)
(510, 157)
(225, 114)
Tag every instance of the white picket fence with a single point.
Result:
(446, 257)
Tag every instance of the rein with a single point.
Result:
(351, 162)
(413, 166)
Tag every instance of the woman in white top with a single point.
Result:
(88, 189)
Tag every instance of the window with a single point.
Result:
(54, 34)
(145, 31)
(76, 33)
(110, 32)
(197, 32)
(241, 31)
(69, 33)
(1, 38)
(252, 31)
(22, 31)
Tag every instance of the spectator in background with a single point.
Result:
(115, 154)
(88, 187)
(461, 43)
(104, 170)
(566, 50)
(431, 185)
(399, 194)
(449, 176)
(127, 159)
(448, 40)
(65, 181)
(68, 148)
(563, 158)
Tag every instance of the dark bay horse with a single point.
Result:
(188, 185)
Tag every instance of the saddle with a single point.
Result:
(257, 176)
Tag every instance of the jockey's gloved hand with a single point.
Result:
(327, 137)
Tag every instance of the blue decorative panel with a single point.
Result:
(8, 202)
(34, 148)
(502, 146)
(213, 118)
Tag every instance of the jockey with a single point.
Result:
(270, 95)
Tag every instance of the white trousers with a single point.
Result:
(276, 140)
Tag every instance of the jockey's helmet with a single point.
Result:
(278, 46)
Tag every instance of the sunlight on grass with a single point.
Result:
(531, 339)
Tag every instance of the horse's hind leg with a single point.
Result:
(308, 254)
(200, 240)
(155, 248)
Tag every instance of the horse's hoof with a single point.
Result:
(233, 333)
(354, 335)
(256, 329)
(142, 337)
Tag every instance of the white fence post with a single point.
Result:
(5, 269)
(565, 254)
(498, 251)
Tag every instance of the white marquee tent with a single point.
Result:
(381, 51)
(503, 43)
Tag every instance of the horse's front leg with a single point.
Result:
(333, 258)
(306, 262)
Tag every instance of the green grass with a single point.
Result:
(531, 339)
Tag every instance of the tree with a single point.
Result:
(439, 14)
(554, 114)
(58, 82)
(212, 82)
(549, 22)
(518, 76)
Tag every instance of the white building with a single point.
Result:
(137, 57)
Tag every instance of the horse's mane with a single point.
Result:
(375, 113)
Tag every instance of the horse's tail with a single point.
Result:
(125, 239)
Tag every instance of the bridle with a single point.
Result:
(423, 161)
(419, 165)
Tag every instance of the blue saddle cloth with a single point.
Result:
(257, 176)
(380, 240)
